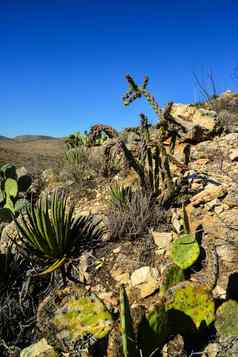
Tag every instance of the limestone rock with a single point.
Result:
(39, 349)
(5, 241)
(146, 280)
(175, 347)
(211, 350)
(162, 241)
(234, 155)
(209, 194)
(200, 124)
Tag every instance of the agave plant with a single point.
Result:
(120, 196)
(52, 236)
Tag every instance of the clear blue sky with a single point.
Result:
(62, 62)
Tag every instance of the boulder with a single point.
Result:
(39, 349)
(146, 280)
(199, 124)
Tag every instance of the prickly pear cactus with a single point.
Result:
(153, 330)
(24, 182)
(193, 301)
(11, 187)
(127, 333)
(172, 275)
(185, 251)
(73, 319)
(226, 319)
(5, 215)
(8, 171)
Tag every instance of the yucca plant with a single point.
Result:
(52, 236)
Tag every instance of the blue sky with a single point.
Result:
(63, 62)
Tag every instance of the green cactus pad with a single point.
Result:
(5, 215)
(153, 330)
(172, 275)
(21, 204)
(9, 204)
(185, 251)
(193, 301)
(9, 171)
(226, 319)
(2, 196)
(71, 314)
(11, 187)
(24, 182)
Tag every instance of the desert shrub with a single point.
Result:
(228, 121)
(135, 217)
(19, 297)
(76, 163)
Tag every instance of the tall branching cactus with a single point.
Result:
(152, 161)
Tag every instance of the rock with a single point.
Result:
(176, 221)
(211, 350)
(21, 171)
(212, 204)
(200, 124)
(121, 277)
(234, 155)
(209, 194)
(175, 347)
(162, 241)
(8, 231)
(146, 280)
(39, 349)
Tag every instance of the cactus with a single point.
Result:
(70, 315)
(152, 162)
(226, 322)
(12, 191)
(8, 171)
(185, 251)
(153, 331)
(172, 275)
(6, 215)
(76, 140)
(193, 301)
(11, 188)
(127, 333)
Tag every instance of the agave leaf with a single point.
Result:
(53, 266)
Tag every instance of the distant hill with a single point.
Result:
(4, 137)
(33, 137)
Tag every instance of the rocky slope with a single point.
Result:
(211, 178)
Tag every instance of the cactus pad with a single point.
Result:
(172, 275)
(153, 330)
(185, 251)
(72, 314)
(11, 187)
(193, 301)
(226, 319)
(9, 171)
(24, 182)
(5, 215)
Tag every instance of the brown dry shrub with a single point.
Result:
(136, 217)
